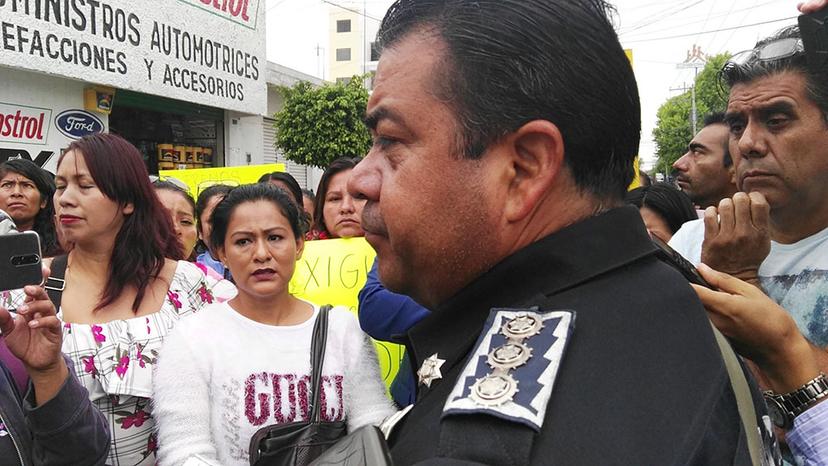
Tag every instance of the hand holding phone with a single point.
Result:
(813, 28)
(671, 257)
(35, 336)
(20, 260)
(34, 333)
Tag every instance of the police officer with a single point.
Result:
(504, 138)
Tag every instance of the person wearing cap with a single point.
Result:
(771, 238)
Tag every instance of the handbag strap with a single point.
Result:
(318, 340)
(744, 400)
(56, 282)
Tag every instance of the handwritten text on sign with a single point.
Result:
(332, 272)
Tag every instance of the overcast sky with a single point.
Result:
(659, 32)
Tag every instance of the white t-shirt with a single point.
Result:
(221, 377)
(688, 240)
(794, 275)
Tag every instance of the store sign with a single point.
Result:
(23, 124)
(27, 97)
(76, 124)
(208, 52)
(237, 11)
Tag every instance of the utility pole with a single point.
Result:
(364, 37)
(320, 60)
(696, 59)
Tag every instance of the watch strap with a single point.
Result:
(799, 400)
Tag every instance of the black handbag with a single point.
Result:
(364, 447)
(299, 443)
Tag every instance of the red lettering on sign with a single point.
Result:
(23, 124)
(235, 8)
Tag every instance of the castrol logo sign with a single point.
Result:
(243, 12)
(23, 124)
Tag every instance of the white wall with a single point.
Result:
(243, 139)
(50, 93)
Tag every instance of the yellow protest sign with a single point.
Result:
(332, 272)
(199, 179)
(636, 182)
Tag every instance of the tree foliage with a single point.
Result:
(673, 129)
(319, 124)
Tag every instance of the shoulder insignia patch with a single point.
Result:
(513, 367)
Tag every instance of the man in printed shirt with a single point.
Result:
(774, 234)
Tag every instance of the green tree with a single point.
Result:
(319, 124)
(673, 126)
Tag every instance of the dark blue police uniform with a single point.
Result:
(581, 349)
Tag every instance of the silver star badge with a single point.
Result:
(430, 370)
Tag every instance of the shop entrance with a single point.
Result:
(170, 134)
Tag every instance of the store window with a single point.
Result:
(343, 25)
(170, 134)
(343, 54)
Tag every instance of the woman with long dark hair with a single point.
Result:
(663, 208)
(26, 192)
(125, 285)
(337, 214)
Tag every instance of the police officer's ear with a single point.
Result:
(535, 163)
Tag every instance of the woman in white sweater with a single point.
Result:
(238, 366)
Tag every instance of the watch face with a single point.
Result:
(777, 413)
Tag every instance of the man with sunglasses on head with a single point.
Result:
(773, 235)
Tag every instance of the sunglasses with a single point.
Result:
(173, 181)
(775, 50)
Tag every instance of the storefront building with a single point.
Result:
(184, 80)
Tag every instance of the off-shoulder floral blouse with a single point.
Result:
(114, 361)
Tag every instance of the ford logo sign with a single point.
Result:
(76, 124)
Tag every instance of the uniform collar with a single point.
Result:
(562, 260)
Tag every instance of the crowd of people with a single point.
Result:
(541, 323)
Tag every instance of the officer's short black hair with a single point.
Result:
(513, 61)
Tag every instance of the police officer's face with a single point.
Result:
(427, 207)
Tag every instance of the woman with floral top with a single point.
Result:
(125, 288)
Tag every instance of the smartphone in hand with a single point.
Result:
(670, 256)
(20, 260)
(814, 31)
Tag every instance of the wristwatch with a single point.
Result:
(785, 407)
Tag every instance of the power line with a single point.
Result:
(709, 12)
(724, 21)
(710, 32)
(271, 7)
(666, 14)
(697, 20)
(362, 13)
